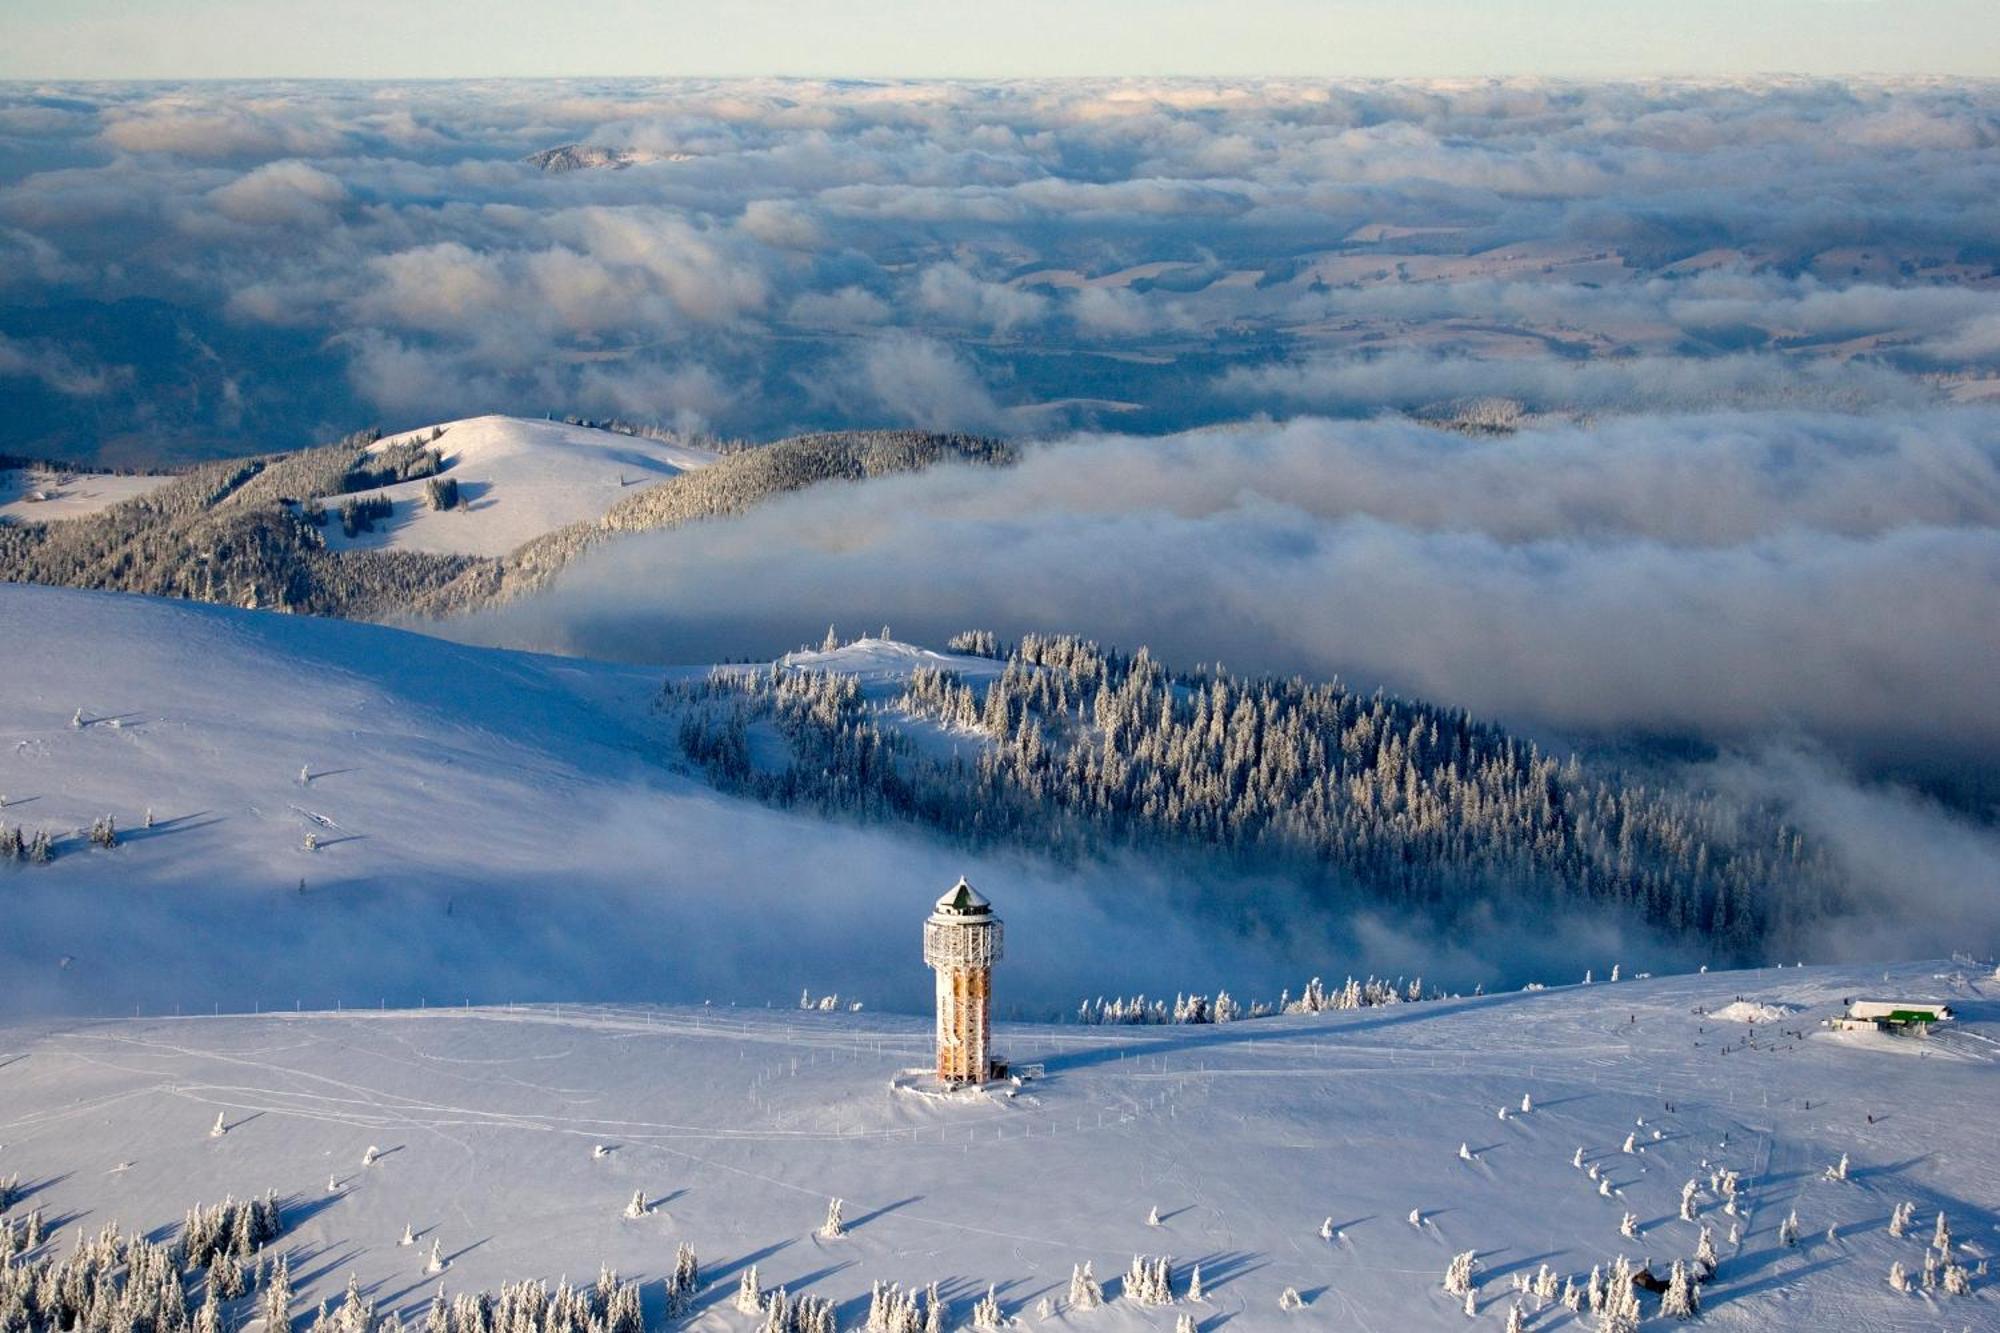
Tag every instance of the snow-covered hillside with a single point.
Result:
(41, 495)
(487, 824)
(517, 478)
(882, 664)
(1281, 1152)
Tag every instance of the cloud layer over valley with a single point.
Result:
(1733, 576)
(1811, 599)
(203, 269)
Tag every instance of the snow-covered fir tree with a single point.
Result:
(1619, 1312)
(1682, 1298)
(1084, 1291)
(275, 1300)
(750, 1292)
(1149, 1281)
(208, 1319)
(777, 1313)
(622, 1311)
(1788, 1230)
(684, 1283)
(1458, 1273)
(833, 1228)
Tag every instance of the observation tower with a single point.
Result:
(962, 942)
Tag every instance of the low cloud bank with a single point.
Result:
(1731, 577)
(1816, 595)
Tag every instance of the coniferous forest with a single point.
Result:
(249, 531)
(1390, 802)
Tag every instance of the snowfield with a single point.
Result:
(738, 1125)
(485, 825)
(883, 666)
(517, 479)
(39, 495)
(412, 834)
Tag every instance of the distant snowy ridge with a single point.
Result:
(516, 479)
(435, 521)
(595, 157)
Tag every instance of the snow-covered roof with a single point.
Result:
(963, 900)
(1891, 1008)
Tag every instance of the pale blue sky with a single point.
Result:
(457, 38)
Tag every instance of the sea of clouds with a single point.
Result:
(1749, 334)
(208, 268)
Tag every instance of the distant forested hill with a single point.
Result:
(741, 478)
(1409, 805)
(249, 532)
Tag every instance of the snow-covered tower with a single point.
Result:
(962, 942)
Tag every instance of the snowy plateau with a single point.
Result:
(517, 479)
(1348, 1157)
(365, 877)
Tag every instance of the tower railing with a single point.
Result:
(962, 944)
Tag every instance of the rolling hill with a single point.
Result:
(516, 479)
(484, 824)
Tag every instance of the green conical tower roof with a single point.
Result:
(963, 900)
